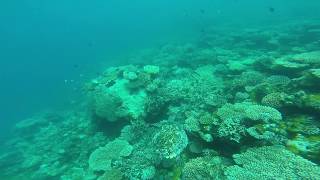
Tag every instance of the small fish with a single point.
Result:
(271, 9)
(202, 11)
(76, 66)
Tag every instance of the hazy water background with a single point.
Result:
(44, 43)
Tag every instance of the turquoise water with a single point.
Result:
(160, 89)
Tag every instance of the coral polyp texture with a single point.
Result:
(234, 104)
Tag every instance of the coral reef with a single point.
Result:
(234, 104)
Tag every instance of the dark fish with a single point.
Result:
(202, 11)
(76, 65)
(271, 9)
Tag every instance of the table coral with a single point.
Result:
(271, 162)
(101, 158)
